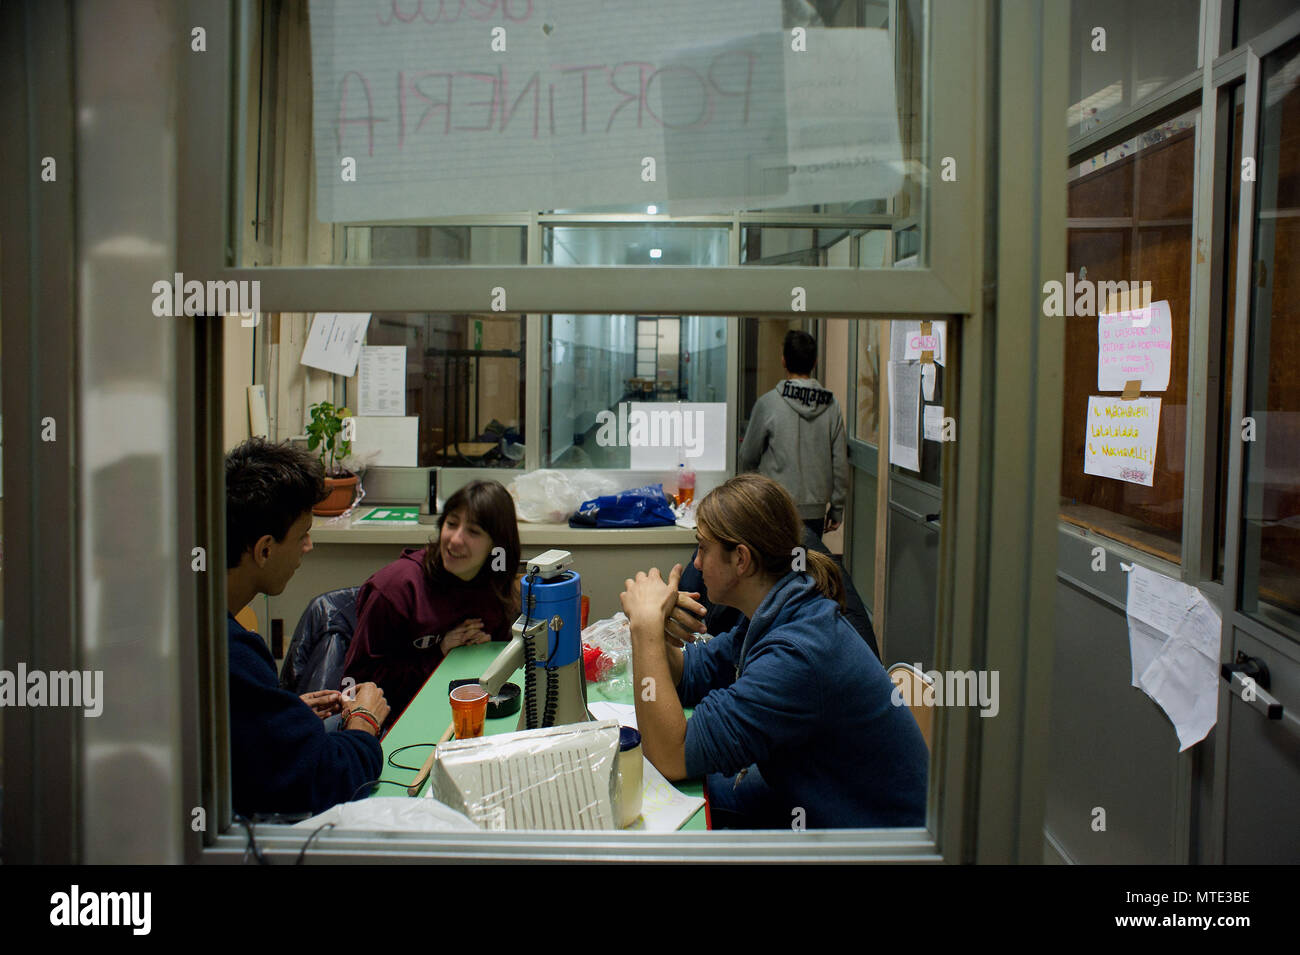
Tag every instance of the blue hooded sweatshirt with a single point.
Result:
(796, 692)
(281, 758)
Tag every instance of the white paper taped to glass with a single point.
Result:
(559, 103)
(562, 777)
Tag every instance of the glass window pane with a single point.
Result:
(1120, 67)
(390, 162)
(1130, 221)
(866, 419)
(435, 245)
(465, 382)
(829, 247)
(1256, 16)
(635, 245)
(1271, 505)
(595, 363)
(1223, 367)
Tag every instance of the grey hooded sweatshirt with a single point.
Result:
(796, 437)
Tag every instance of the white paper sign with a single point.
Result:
(1135, 346)
(904, 414)
(840, 129)
(1120, 438)
(933, 418)
(438, 123)
(386, 441)
(657, 432)
(1174, 641)
(415, 114)
(381, 381)
(914, 342)
(334, 342)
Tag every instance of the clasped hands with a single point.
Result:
(650, 598)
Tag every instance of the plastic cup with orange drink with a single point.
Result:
(468, 710)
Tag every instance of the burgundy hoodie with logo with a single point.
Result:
(402, 616)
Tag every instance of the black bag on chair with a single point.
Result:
(320, 643)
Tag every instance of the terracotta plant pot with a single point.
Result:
(342, 491)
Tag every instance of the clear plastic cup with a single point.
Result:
(468, 710)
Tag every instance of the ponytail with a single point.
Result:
(826, 575)
(755, 511)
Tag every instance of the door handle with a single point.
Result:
(1248, 678)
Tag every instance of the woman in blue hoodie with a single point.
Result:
(794, 722)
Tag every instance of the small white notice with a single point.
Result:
(904, 414)
(1120, 438)
(386, 441)
(664, 808)
(381, 383)
(334, 342)
(914, 343)
(661, 435)
(1135, 346)
(1174, 636)
(933, 417)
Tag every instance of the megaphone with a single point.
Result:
(547, 643)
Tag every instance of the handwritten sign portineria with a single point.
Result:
(462, 107)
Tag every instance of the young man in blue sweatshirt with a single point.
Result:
(282, 759)
(794, 723)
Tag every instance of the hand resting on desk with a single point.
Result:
(466, 633)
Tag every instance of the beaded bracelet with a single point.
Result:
(365, 715)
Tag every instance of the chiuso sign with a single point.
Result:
(452, 107)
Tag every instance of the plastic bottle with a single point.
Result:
(685, 485)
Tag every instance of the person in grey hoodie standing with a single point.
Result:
(796, 438)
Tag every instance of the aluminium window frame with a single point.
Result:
(984, 50)
(1209, 91)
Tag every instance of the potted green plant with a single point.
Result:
(325, 432)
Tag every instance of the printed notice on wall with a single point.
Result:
(334, 342)
(933, 419)
(1120, 440)
(1135, 346)
(905, 415)
(381, 382)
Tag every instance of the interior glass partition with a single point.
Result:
(296, 269)
(354, 151)
(1271, 503)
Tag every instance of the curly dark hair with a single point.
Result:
(268, 487)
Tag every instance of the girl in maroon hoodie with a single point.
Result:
(460, 589)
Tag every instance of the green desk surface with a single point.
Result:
(429, 714)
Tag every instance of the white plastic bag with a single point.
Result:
(552, 497)
(392, 814)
